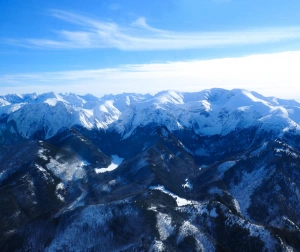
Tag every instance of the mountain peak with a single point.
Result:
(209, 112)
(195, 171)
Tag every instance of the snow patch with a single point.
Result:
(180, 201)
(59, 189)
(78, 202)
(187, 184)
(237, 206)
(158, 246)
(202, 242)
(67, 171)
(41, 154)
(164, 225)
(51, 101)
(116, 161)
(249, 182)
(254, 230)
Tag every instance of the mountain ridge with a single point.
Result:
(208, 112)
(216, 170)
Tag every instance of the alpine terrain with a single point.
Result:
(216, 170)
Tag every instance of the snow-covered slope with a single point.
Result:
(216, 170)
(209, 112)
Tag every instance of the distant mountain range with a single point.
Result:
(216, 170)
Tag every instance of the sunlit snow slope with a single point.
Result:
(209, 112)
(216, 170)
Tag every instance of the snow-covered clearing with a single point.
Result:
(179, 201)
(116, 161)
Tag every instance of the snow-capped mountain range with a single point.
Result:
(209, 112)
(215, 170)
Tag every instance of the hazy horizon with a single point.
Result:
(114, 47)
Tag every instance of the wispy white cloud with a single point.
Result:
(92, 33)
(269, 74)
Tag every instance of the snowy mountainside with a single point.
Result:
(209, 112)
(216, 170)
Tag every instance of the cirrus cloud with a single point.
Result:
(140, 36)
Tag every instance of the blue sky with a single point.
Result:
(107, 46)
